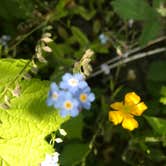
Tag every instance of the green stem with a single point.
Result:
(26, 35)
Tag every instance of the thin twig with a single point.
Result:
(134, 50)
(26, 35)
(129, 59)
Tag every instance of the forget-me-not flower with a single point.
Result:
(73, 83)
(68, 105)
(85, 97)
(53, 95)
(103, 38)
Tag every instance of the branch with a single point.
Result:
(129, 59)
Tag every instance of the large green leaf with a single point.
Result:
(10, 68)
(25, 125)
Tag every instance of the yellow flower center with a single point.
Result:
(55, 95)
(73, 82)
(83, 97)
(126, 109)
(68, 105)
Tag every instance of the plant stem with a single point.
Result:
(129, 59)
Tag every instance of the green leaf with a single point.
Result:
(87, 15)
(158, 124)
(73, 153)
(59, 12)
(15, 9)
(157, 71)
(163, 93)
(134, 9)
(74, 127)
(10, 68)
(26, 124)
(150, 31)
(79, 36)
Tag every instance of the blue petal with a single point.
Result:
(64, 113)
(86, 105)
(83, 84)
(66, 76)
(91, 97)
(54, 86)
(63, 85)
(74, 112)
(49, 102)
(78, 76)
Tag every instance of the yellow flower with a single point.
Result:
(125, 111)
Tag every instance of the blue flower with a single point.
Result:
(73, 83)
(103, 38)
(85, 97)
(53, 95)
(68, 104)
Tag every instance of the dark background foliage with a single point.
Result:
(76, 25)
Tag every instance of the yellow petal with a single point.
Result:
(132, 98)
(116, 117)
(129, 123)
(139, 109)
(117, 105)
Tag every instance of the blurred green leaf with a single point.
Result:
(80, 36)
(163, 93)
(157, 71)
(74, 127)
(158, 124)
(96, 26)
(135, 9)
(73, 153)
(16, 9)
(87, 15)
(150, 31)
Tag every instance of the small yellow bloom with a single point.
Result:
(125, 111)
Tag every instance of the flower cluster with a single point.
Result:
(72, 94)
(51, 160)
(126, 110)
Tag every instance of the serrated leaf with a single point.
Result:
(158, 124)
(79, 36)
(26, 124)
(10, 68)
(77, 150)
